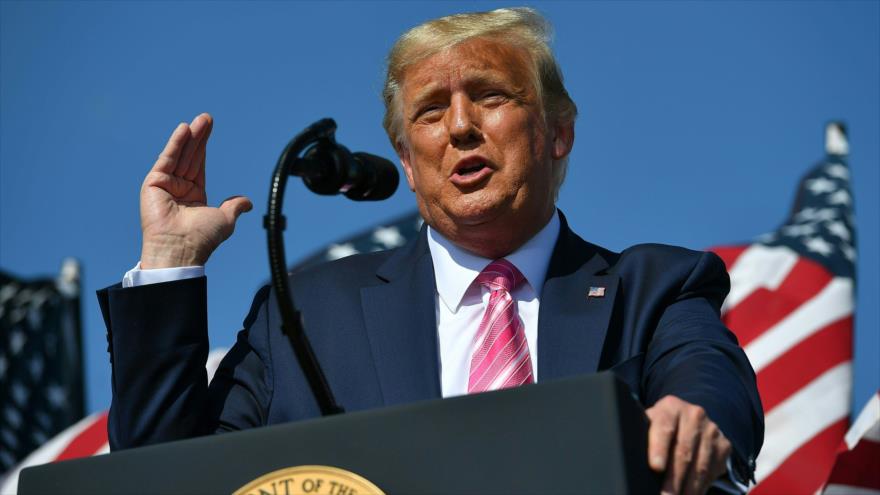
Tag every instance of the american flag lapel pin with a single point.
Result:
(596, 292)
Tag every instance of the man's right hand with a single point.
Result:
(178, 227)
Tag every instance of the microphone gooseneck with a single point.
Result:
(326, 168)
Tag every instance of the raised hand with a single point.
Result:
(179, 228)
(685, 444)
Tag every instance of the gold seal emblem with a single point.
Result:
(308, 480)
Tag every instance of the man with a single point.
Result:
(496, 291)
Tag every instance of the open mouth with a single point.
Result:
(471, 169)
(471, 172)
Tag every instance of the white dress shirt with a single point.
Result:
(460, 303)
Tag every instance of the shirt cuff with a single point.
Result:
(730, 483)
(137, 277)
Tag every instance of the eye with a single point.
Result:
(429, 112)
(429, 109)
(493, 96)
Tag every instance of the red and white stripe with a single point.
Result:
(794, 319)
(857, 469)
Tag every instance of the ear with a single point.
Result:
(403, 154)
(563, 140)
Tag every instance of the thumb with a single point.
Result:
(234, 206)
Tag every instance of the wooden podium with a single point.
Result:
(579, 435)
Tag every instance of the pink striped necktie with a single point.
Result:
(501, 355)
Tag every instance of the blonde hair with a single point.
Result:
(521, 26)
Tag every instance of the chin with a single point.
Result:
(477, 215)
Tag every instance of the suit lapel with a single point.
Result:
(572, 324)
(401, 324)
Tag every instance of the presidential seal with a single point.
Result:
(311, 480)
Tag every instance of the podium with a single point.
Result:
(577, 435)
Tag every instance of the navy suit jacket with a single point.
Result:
(371, 321)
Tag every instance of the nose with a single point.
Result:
(463, 121)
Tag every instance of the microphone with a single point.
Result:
(329, 168)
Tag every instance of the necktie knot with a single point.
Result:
(500, 275)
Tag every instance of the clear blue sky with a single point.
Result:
(696, 121)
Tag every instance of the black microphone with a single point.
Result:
(329, 168)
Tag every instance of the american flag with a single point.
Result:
(41, 374)
(791, 306)
(388, 235)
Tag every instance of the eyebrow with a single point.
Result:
(483, 77)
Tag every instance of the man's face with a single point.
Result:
(476, 149)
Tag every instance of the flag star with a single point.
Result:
(17, 314)
(818, 245)
(849, 252)
(839, 229)
(56, 395)
(16, 341)
(13, 417)
(840, 197)
(337, 251)
(838, 171)
(820, 185)
(800, 229)
(807, 213)
(19, 393)
(7, 292)
(825, 214)
(389, 237)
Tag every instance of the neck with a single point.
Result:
(494, 241)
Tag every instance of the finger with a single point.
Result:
(197, 172)
(697, 477)
(233, 207)
(691, 422)
(168, 158)
(660, 434)
(709, 462)
(186, 154)
(178, 187)
(197, 128)
(197, 164)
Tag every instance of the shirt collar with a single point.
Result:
(456, 268)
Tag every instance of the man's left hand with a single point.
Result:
(687, 445)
